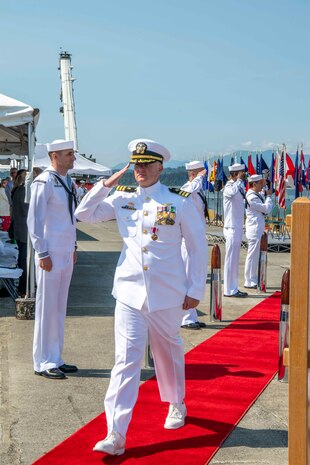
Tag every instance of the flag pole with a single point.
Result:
(208, 178)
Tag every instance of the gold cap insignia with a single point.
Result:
(141, 147)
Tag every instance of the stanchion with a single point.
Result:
(262, 264)
(149, 361)
(216, 285)
(284, 325)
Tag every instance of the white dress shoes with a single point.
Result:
(113, 444)
(176, 416)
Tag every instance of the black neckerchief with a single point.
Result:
(259, 196)
(206, 210)
(71, 195)
(246, 203)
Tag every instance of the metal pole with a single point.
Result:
(216, 285)
(262, 264)
(284, 325)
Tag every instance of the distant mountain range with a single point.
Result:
(168, 164)
(267, 154)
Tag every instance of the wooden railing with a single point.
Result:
(297, 355)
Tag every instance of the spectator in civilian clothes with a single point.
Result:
(19, 228)
(4, 206)
(10, 184)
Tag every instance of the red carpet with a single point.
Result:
(224, 376)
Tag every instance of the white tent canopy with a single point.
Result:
(17, 125)
(17, 137)
(82, 166)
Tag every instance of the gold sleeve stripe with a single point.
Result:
(180, 192)
(126, 189)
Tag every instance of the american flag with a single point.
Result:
(281, 185)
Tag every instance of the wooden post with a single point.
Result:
(216, 285)
(298, 334)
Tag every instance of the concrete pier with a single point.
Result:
(36, 414)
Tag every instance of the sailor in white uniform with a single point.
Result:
(233, 206)
(196, 172)
(257, 207)
(51, 226)
(150, 284)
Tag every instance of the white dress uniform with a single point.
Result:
(257, 208)
(233, 206)
(53, 233)
(150, 285)
(193, 187)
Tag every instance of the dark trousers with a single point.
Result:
(22, 263)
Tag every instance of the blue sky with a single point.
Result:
(202, 77)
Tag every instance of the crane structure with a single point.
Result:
(67, 97)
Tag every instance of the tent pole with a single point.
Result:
(30, 251)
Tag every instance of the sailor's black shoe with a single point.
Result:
(237, 294)
(68, 368)
(191, 326)
(51, 373)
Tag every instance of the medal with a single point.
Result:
(154, 235)
(166, 214)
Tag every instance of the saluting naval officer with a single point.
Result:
(257, 207)
(196, 172)
(233, 206)
(51, 226)
(150, 284)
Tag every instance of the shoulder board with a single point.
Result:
(39, 180)
(126, 189)
(178, 191)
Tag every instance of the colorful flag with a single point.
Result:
(297, 177)
(251, 169)
(277, 159)
(258, 168)
(308, 173)
(272, 172)
(242, 163)
(302, 169)
(281, 182)
(289, 172)
(262, 164)
(213, 172)
(220, 175)
(207, 186)
(205, 179)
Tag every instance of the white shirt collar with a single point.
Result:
(148, 191)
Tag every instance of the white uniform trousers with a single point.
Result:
(251, 263)
(50, 311)
(232, 254)
(190, 315)
(132, 327)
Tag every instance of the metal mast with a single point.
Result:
(66, 97)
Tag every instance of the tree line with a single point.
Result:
(172, 177)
